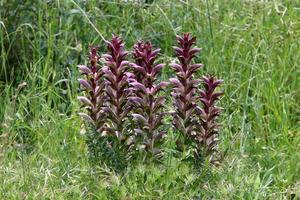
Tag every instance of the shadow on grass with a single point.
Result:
(107, 151)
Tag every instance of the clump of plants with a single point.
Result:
(125, 99)
(196, 123)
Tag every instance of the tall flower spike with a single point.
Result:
(139, 65)
(116, 75)
(93, 85)
(147, 103)
(184, 86)
(208, 113)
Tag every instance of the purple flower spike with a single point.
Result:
(93, 84)
(147, 103)
(197, 123)
(117, 78)
(208, 133)
(184, 85)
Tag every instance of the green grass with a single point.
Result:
(253, 46)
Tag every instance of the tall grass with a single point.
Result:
(253, 46)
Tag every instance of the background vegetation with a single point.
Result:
(253, 46)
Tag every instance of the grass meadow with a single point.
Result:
(253, 45)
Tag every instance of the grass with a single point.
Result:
(254, 46)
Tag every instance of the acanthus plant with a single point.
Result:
(148, 104)
(196, 123)
(208, 113)
(93, 84)
(116, 77)
(112, 92)
(185, 86)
